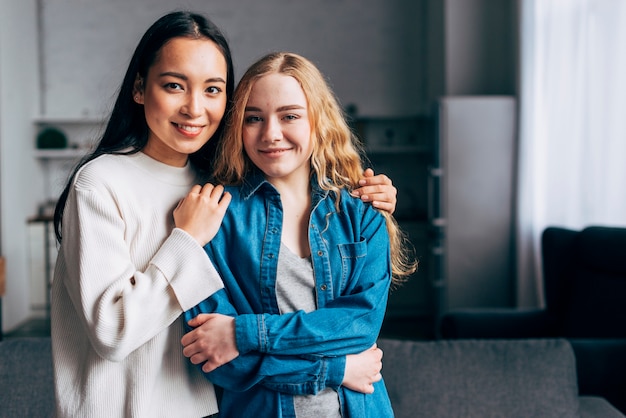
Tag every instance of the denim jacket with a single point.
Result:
(298, 353)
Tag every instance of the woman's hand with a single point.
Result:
(363, 370)
(212, 341)
(378, 190)
(200, 213)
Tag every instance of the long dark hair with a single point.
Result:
(127, 131)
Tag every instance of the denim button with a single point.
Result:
(323, 287)
(320, 253)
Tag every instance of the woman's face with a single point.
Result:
(276, 129)
(184, 98)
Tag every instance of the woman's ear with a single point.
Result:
(138, 90)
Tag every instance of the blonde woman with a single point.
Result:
(306, 266)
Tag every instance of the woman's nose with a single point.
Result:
(192, 106)
(272, 130)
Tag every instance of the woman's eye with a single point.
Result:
(173, 86)
(214, 90)
(291, 117)
(252, 119)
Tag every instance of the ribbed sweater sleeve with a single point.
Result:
(126, 280)
(123, 276)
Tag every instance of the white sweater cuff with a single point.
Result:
(187, 268)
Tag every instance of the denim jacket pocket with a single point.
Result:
(353, 257)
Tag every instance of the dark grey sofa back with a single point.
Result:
(481, 378)
(26, 381)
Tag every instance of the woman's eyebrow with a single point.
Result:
(280, 109)
(184, 77)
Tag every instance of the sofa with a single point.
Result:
(445, 378)
(487, 378)
(26, 382)
(584, 282)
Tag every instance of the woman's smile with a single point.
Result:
(274, 152)
(190, 131)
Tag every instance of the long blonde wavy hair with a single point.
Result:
(336, 158)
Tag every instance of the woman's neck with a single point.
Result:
(296, 202)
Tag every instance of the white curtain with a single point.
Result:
(572, 168)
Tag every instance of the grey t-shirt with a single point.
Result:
(295, 290)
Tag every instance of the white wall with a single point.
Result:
(20, 176)
(373, 51)
(480, 47)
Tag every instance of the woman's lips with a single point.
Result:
(190, 131)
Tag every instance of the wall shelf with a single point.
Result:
(398, 149)
(81, 133)
(60, 154)
(67, 120)
(402, 148)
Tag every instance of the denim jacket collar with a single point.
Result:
(256, 181)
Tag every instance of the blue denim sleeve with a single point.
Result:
(347, 324)
(296, 375)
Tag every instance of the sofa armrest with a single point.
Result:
(496, 323)
(601, 367)
(595, 406)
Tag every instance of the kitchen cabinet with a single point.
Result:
(402, 148)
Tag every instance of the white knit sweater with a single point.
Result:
(123, 277)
